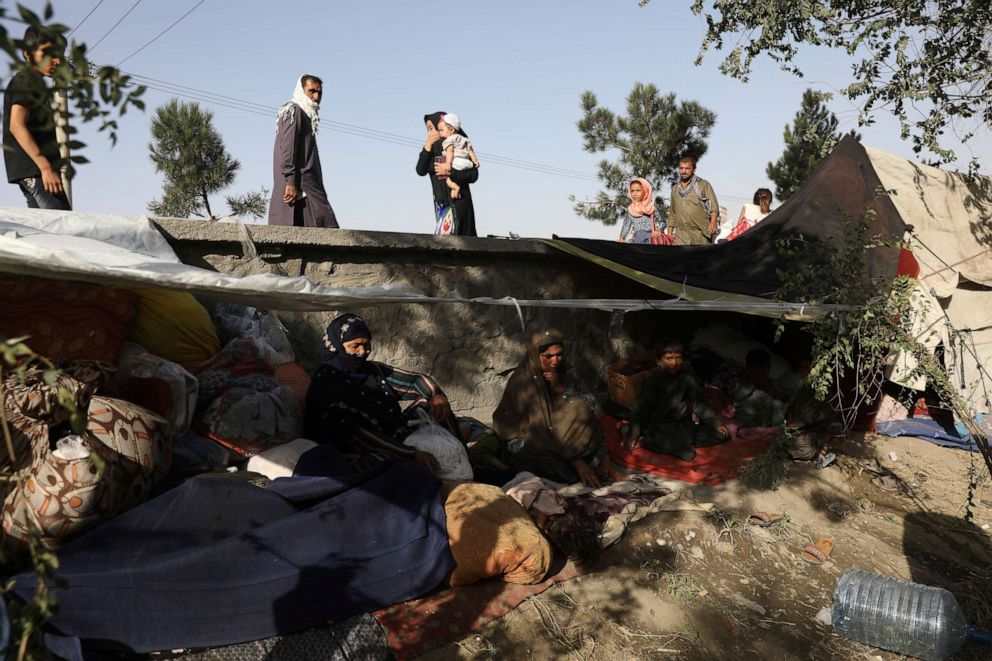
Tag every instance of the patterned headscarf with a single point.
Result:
(344, 328)
(349, 393)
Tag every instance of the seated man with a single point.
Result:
(758, 402)
(549, 428)
(671, 415)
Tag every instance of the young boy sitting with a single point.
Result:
(671, 415)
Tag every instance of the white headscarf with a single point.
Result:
(309, 107)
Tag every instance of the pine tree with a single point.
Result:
(189, 151)
(651, 138)
(812, 136)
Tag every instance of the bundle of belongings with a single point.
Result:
(69, 477)
(140, 368)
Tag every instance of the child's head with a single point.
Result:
(574, 535)
(670, 357)
(449, 124)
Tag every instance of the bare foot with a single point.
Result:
(456, 190)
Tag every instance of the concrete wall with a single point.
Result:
(468, 349)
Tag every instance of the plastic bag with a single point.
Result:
(451, 455)
(136, 362)
(71, 448)
(235, 320)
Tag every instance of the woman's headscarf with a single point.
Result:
(344, 328)
(567, 428)
(646, 206)
(435, 118)
(349, 392)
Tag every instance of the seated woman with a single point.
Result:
(354, 402)
(672, 415)
(550, 429)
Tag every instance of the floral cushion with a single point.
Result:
(63, 497)
(65, 319)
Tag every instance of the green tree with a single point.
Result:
(812, 136)
(189, 151)
(928, 63)
(650, 139)
(254, 204)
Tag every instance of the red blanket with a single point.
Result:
(712, 465)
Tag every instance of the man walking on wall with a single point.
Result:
(695, 211)
(31, 151)
(298, 195)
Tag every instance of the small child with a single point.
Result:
(457, 149)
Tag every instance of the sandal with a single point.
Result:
(825, 460)
(765, 519)
(817, 554)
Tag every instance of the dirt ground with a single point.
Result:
(692, 585)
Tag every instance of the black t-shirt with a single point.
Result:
(29, 90)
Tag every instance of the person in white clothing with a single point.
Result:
(752, 214)
(457, 149)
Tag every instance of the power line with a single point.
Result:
(114, 26)
(235, 103)
(252, 107)
(80, 23)
(174, 24)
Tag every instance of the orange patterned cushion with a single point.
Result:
(64, 497)
(65, 319)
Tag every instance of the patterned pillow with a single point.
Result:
(64, 319)
(29, 394)
(63, 497)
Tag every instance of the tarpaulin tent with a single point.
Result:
(948, 218)
(845, 185)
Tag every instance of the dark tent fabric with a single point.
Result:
(845, 185)
(218, 561)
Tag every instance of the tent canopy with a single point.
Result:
(746, 269)
(946, 216)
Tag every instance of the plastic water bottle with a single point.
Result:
(909, 618)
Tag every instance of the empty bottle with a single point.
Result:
(909, 618)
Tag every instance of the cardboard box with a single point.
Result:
(625, 378)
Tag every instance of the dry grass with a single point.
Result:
(555, 621)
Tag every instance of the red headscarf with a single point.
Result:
(646, 206)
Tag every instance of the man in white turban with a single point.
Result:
(298, 195)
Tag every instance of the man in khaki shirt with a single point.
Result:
(695, 210)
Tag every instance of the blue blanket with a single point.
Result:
(218, 561)
(929, 430)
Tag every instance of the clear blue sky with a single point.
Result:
(512, 70)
